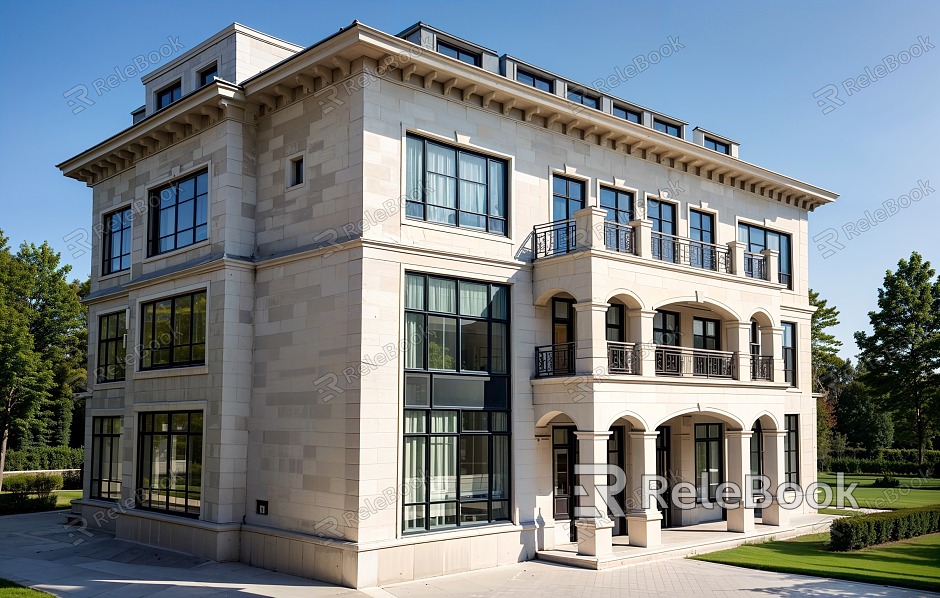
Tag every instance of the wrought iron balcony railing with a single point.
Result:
(623, 358)
(755, 265)
(619, 237)
(698, 254)
(554, 360)
(554, 238)
(762, 367)
(785, 279)
(683, 361)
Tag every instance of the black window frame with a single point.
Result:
(717, 146)
(628, 115)
(616, 328)
(120, 237)
(788, 343)
(109, 370)
(755, 239)
(422, 407)
(106, 427)
(458, 53)
(709, 440)
(144, 496)
(660, 331)
(791, 448)
(705, 338)
(417, 206)
(612, 201)
(571, 201)
(165, 200)
(146, 352)
(664, 126)
(534, 80)
(212, 69)
(296, 171)
(756, 451)
(702, 252)
(175, 91)
(584, 98)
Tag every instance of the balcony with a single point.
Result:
(685, 361)
(619, 237)
(554, 238)
(755, 265)
(623, 358)
(554, 360)
(698, 254)
(762, 367)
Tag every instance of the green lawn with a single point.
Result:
(8, 589)
(913, 492)
(64, 500)
(910, 563)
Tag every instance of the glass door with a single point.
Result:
(664, 468)
(564, 457)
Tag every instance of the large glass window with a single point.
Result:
(112, 330)
(789, 352)
(758, 239)
(666, 328)
(106, 458)
(667, 128)
(179, 213)
(567, 197)
(458, 53)
(708, 460)
(627, 114)
(580, 97)
(168, 95)
(170, 462)
(456, 456)
(535, 81)
(702, 253)
(117, 242)
(455, 187)
(706, 334)
(173, 332)
(791, 449)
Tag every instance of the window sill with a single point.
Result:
(468, 232)
(105, 277)
(189, 370)
(161, 256)
(114, 384)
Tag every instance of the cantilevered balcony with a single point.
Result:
(698, 254)
(555, 360)
(685, 361)
(623, 358)
(762, 367)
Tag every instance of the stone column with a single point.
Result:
(643, 236)
(740, 517)
(739, 340)
(736, 248)
(771, 343)
(589, 223)
(595, 528)
(641, 334)
(772, 264)
(775, 469)
(591, 341)
(644, 521)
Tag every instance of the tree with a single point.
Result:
(902, 354)
(825, 346)
(862, 420)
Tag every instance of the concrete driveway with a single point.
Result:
(39, 551)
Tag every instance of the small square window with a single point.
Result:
(208, 74)
(718, 146)
(296, 172)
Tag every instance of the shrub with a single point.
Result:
(22, 485)
(852, 533)
(45, 457)
(72, 480)
(44, 484)
(886, 481)
(18, 485)
(874, 466)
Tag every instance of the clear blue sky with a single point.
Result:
(748, 70)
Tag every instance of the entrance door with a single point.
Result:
(664, 469)
(615, 457)
(563, 335)
(564, 457)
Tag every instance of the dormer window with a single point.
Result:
(535, 81)
(627, 114)
(458, 53)
(208, 74)
(667, 128)
(169, 95)
(718, 146)
(579, 97)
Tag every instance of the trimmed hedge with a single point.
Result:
(45, 457)
(877, 466)
(22, 485)
(852, 533)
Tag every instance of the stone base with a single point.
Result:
(740, 519)
(775, 515)
(644, 528)
(595, 536)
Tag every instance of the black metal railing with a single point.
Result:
(698, 254)
(554, 238)
(619, 237)
(554, 360)
(623, 358)
(762, 367)
(785, 279)
(681, 361)
(755, 265)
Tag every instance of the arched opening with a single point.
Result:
(695, 338)
(558, 357)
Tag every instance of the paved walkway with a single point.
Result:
(37, 550)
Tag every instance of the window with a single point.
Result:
(615, 328)
(618, 204)
(208, 75)
(667, 128)
(756, 239)
(535, 81)
(179, 213)
(579, 97)
(106, 458)
(169, 95)
(702, 252)
(662, 215)
(567, 197)
(706, 334)
(757, 455)
(791, 449)
(296, 174)
(455, 187)
(174, 332)
(459, 54)
(708, 460)
(789, 353)
(627, 114)
(117, 242)
(755, 338)
(718, 146)
(666, 328)
(170, 457)
(112, 330)
(456, 444)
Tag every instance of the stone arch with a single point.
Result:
(627, 297)
(726, 312)
(636, 420)
(762, 317)
(726, 416)
(543, 299)
(768, 421)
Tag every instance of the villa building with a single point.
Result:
(358, 310)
